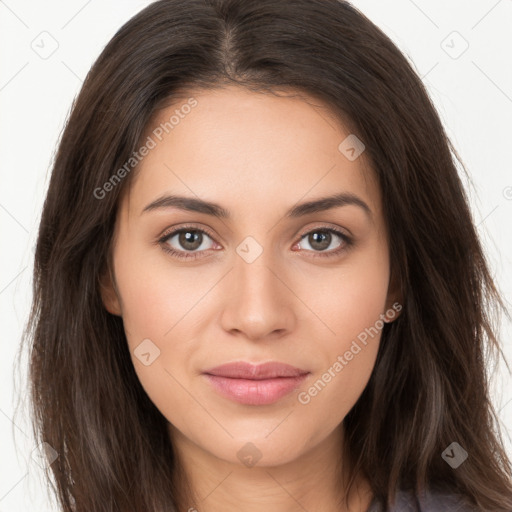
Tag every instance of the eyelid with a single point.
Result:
(326, 226)
(174, 230)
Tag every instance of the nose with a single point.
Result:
(259, 304)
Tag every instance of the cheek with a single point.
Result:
(156, 294)
(350, 304)
(154, 308)
(147, 302)
(159, 302)
(350, 298)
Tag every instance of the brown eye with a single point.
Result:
(190, 240)
(320, 240)
(185, 242)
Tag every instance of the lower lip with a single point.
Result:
(255, 392)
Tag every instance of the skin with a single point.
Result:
(256, 155)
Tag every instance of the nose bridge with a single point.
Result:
(255, 282)
(258, 301)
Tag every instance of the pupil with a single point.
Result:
(189, 239)
(324, 242)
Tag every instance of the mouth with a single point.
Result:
(251, 384)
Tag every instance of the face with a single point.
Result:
(265, 279)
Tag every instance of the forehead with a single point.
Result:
(249, 150)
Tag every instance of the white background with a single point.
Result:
(473, 95)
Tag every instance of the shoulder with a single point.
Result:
(430, 501)
(436, 500)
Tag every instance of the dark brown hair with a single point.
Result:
(429, 386)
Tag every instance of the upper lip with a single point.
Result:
(244, 370)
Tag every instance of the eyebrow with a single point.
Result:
(200, 206)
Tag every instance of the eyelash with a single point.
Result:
(347, 242)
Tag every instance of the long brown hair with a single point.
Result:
(429, 387)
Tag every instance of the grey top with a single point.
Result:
(407, 501)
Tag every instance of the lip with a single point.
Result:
(251, 384)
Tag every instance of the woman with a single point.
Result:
(257, 281)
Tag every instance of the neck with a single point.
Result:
(316, 480)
